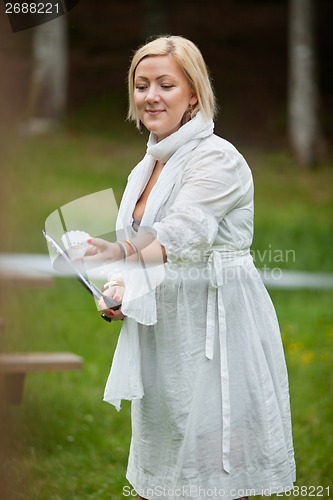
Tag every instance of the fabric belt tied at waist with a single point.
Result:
(217, 261)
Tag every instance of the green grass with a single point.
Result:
(64, 442)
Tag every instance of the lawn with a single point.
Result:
(64, 442)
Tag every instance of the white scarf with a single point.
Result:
(173, 152)
(124, 381)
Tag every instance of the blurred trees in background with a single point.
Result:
(155, 18)
(303, 117)
(47, 89)
(266, 97)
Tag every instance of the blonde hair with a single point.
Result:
(189, 58)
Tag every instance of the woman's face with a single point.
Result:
(162, 95)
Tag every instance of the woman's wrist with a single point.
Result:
(127, 249)
(133, 250)
(122, 250)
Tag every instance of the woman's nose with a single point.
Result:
(152, 94)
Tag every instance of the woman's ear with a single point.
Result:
(193, 100)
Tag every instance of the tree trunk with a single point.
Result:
(47, 95)
(155, 18)
(304, 126)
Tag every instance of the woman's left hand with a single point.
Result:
(101, 252)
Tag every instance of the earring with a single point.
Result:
(188, 114)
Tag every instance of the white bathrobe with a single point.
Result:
(200, 355)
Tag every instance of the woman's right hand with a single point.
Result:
(115, 292)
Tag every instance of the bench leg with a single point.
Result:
(13, 385)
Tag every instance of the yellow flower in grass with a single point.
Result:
(299, 354)
(329, 334)
(325, 357)
(295, 347)
(307, 357)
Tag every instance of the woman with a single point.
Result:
(200, 353)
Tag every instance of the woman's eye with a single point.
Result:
(167, 87)
(141, 88)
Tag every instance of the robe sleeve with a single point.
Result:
(212, 185)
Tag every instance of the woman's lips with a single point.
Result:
(154, 111)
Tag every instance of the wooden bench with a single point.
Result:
(14, 367)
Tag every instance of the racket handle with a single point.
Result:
(106, 318)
